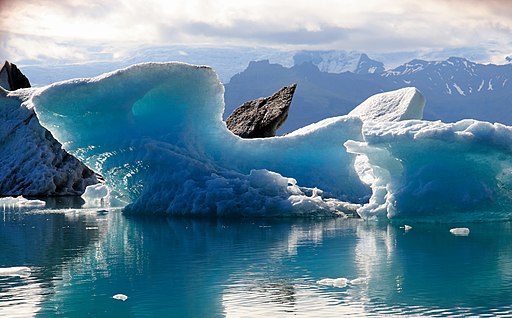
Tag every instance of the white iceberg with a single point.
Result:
(121, 297)
(334, 282)
(12, 202)
(460, 231)
(155, 131)
(16, 271)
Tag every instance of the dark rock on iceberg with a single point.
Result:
(261, 117)
(11, 77)
(32, 161)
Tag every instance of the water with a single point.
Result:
(172, 267)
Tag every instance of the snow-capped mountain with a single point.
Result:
(455, 88)
(458, 88)
(368, 66)
(329, 61)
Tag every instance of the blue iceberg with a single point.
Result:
(155, 132)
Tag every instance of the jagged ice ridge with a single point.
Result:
(156, 133)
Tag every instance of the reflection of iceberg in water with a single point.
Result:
(34, 245)
(20, 297)
(263, 267)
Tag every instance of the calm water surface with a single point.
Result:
(172, 267)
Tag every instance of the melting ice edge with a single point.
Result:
(155, 132)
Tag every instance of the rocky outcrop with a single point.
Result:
(261, 117)
(11, 77)
(32, 161)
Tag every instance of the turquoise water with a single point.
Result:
(172, 267)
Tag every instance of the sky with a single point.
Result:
(77, 30)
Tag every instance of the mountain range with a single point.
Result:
(455, 88)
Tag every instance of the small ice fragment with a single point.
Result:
(33, 203)
(406, 227)
(18, 271)
(325, 281)
(335, 282)
(120, 297)
(340, 282)
(460, 231)
(358, 281)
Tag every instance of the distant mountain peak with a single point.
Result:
(329, 61)
(368, 66)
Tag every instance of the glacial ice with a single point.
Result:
(402, 104)
(16, 271)
(96, 195)
(334, 282)
(20, 202)
(121, 297)
(32, 162)
(436, 171)
(460, 231)
(155, 132)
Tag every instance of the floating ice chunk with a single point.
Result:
(96, 195)
(96, 191)
(334, 282)
(168, 150)
(21, 202)
(406, 228)
(120, 297)
(359, 281)
(460, 231)
(17, 271)
(32, 203)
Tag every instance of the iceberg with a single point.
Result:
(436, 171)
(460, 231)
(20, 202)
(121, 297)
(32, 162)
(17, 271)
(155, 132)
(334, 282)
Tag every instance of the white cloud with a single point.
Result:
(65, 28)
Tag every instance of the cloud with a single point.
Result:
(247, 33)
(67, 27)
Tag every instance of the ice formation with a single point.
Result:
(334, 282)
(17, 271)
(434, 170)
(402, 104)
(460, 231)
(155, 132)
(121, 297)
(20, 202)
(32, 162)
